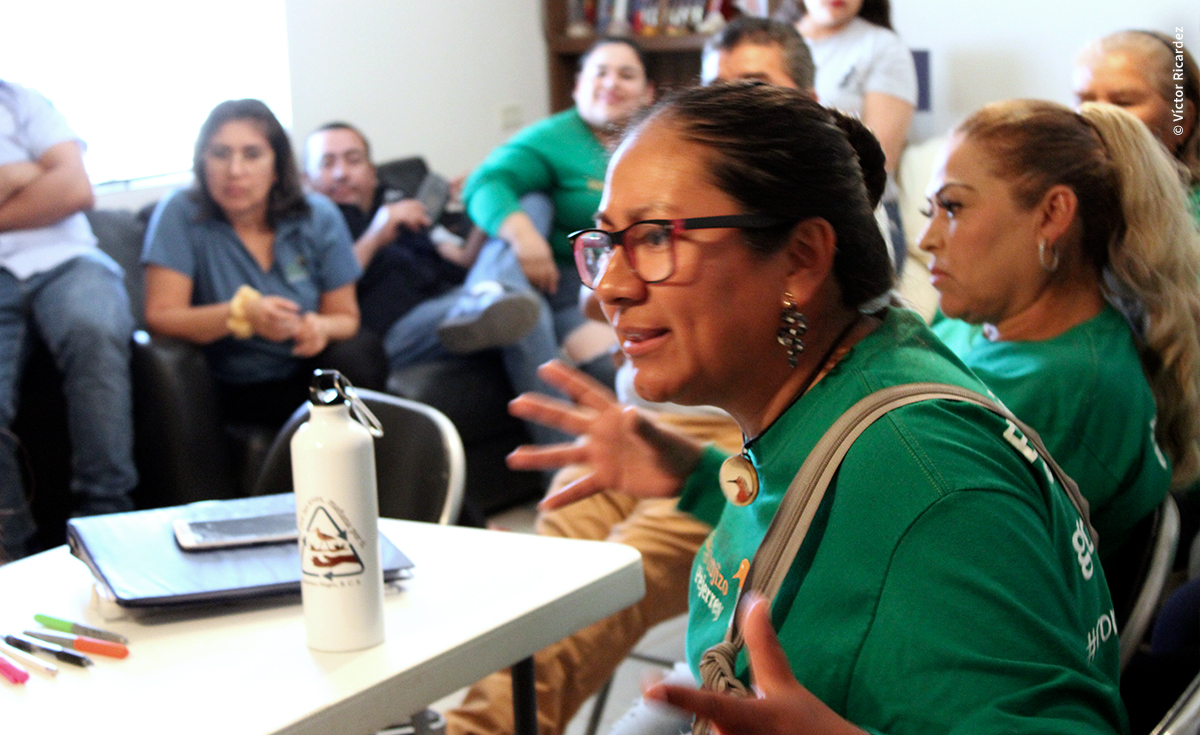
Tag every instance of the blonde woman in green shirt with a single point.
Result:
(1074, 265)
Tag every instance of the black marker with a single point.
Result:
(30, 645)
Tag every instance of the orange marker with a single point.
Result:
(82, 643)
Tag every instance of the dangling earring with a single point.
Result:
(1053, 264)
(792, 327)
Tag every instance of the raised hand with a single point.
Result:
(623, 447)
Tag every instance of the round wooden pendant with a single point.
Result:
(739, 481)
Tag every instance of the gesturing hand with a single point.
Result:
(624, 448)
(782, 705)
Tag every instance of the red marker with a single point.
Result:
(12, 670)
(82, 643)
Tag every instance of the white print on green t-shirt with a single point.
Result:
(1105, 628)
(1018, 440)
(1082, 541)
(1162, 460)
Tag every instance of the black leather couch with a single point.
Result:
(185, 454)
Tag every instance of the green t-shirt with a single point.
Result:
(559, 156)
(1085, 393)
(946, 584)
(1194, 201)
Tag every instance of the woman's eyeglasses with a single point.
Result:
(649, 244)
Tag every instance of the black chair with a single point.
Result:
(419, 461)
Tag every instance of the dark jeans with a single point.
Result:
(270, 404)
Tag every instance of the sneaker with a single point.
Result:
(489, 315)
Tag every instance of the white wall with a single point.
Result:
(986, 51)
(446, 79)
(432, 77)
(435, 77)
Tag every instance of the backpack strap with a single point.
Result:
(787, 530)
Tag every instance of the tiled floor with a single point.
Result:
(664, 642)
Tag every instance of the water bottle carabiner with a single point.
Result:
(330, 385)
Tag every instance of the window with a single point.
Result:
(136, 78)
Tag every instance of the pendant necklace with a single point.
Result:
(739, 479)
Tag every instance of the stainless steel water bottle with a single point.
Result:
(337, 513)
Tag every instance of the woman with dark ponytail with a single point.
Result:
(945, 583)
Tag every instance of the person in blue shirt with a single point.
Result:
(259, 273)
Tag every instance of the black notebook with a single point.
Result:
(136, 557)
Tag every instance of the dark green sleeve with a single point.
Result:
(701, 494)
(983, 626)
(494, 190)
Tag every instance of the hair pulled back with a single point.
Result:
(778, 153)
(1135, 228)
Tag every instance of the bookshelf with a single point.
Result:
(672, 59)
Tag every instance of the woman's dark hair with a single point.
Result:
(624, 40)
(878, 12)
(286, 198)
(779, 153)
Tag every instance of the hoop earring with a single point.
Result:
(1053, 264)
(792, 327)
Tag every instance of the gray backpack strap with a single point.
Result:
(796, 511)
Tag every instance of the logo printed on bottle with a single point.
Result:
(327, 548)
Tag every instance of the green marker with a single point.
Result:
(66, 626)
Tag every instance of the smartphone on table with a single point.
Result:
(228, 533)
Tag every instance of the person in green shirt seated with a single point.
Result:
(1153, 77)
(1067, 275)
(946, 583)
(561, 158)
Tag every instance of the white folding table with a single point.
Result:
(477, 601)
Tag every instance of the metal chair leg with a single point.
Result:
(598, 707)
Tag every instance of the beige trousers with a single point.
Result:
(573, 669)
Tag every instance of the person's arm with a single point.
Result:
(407, 213)
(16, 176)
(889, 94)
(493, 192)
(463, 255)
(169, 311)
(625, 449)
(60, 190)
(889, 118)
(336, 319)
(533, 252)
